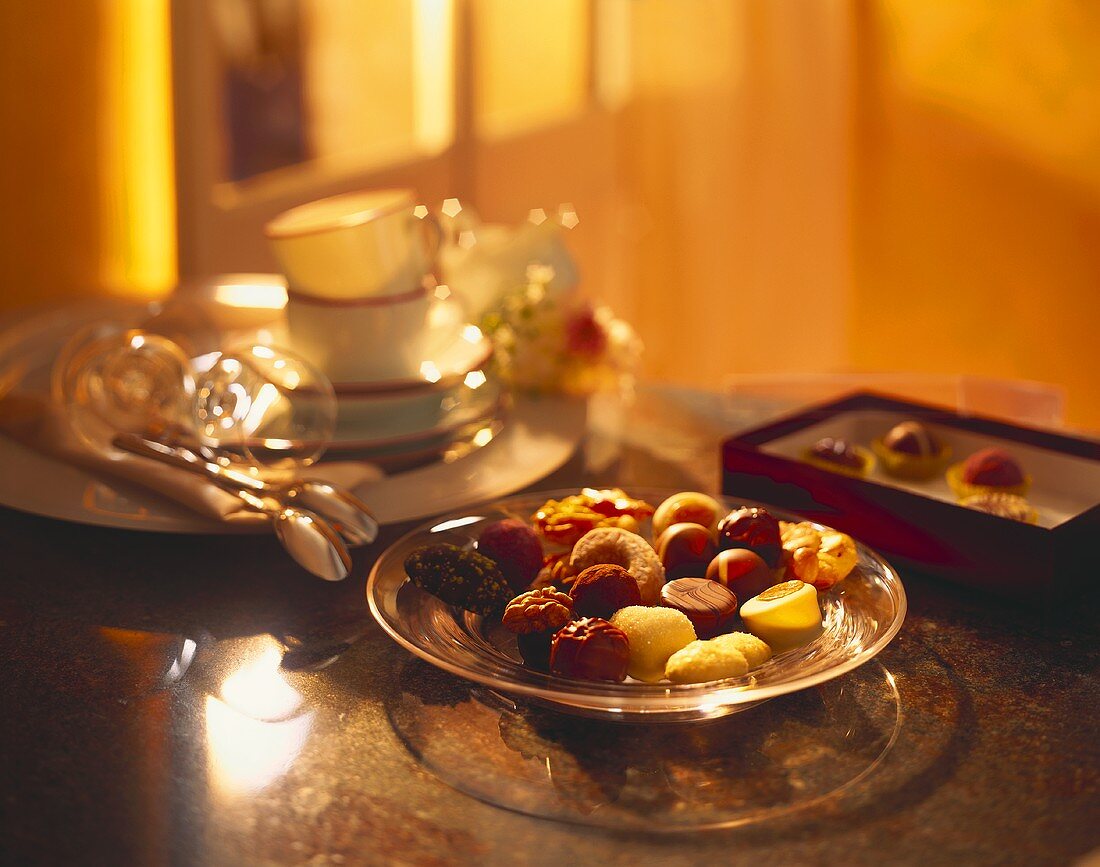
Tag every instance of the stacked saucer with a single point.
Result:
(411, 374)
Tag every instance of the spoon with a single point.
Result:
(307, 537)
(345, 511)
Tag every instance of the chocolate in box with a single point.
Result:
(920, 523)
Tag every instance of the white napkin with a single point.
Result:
(31, 419)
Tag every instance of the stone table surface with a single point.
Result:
(199, 700)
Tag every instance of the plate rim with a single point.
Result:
(717, 697)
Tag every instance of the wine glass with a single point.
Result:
(265, 407)
(257, 406)
(110, 378)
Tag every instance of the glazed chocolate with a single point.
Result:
(752, 528)
(689, 507)
(743, 571)
(601, 590)
(709, 606)
(685, 549)
(993, 467)
(590, 649)
(837, 451)
(912, 438)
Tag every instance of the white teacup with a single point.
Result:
(370, 339)
(360, 340)
(355, 245)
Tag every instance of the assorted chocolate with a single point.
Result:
(711, 607)
(590, 649)
(601, 590)
(912, 451)
(752, 528)
(516, 550)
(460, 577)
(686, 549)
(713, 597)
(1003, 505)
(784, 616)
(743, 571)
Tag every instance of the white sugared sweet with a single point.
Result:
(654, 634)
(702, 661)
(755, 651)
(785, 616)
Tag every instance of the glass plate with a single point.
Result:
(861, 615)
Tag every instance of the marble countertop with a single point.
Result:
(189, 699)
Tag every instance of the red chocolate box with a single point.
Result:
(920, 522)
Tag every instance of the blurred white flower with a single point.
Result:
(554, 342)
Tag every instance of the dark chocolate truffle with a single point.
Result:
(601, 590)
(685, 549)
(709, 606)
(912, 438)
(993, 467)
(590, 649)
(752, 528)
(837, 451)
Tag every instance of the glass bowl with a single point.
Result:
(861, 615)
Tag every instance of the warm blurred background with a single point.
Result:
(764, 186)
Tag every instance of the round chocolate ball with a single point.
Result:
(690, 507)
(837, 451)
(600, 591)
(912, 438)
(742, 571)
(993, 467)
(685, 549)
(709, 606)
(753, 528)
(590, 649)
(516, 550)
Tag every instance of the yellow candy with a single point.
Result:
(785, 616)
(702, 661)
(654, 635)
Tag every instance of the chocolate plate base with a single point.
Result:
(778, 758)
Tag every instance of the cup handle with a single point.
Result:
(433, 235)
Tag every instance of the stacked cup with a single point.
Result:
(362, 305)
(356, 265)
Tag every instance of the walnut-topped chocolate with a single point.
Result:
(542, 610)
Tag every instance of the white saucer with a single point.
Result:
(467, 351)
(388, 419)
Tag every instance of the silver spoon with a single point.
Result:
(306, 536)
(345, 511)
(310, 540)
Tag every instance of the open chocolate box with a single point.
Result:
(920, 523)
